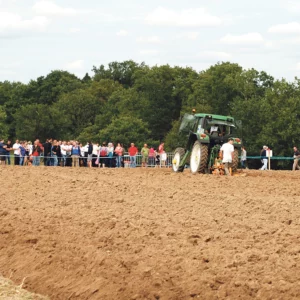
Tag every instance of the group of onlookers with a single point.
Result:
(73, 153)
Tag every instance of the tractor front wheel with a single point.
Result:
(178, 156)
(199, 157)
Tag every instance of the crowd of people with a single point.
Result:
(72, 153)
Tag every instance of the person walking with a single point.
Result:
(264, 158)
(296, 159)
(227, 154)
(243, 157)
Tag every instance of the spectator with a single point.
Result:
(161, 148)
(133, 151)
(82, 152)
(264, 158)
(22, 153)
(2, 152)
(8, 149)
(227, 153)
(89, 154)
(16, 148)
(296, 159)
(145, 155)
(68, 153)
(47, 152)
(103, 155)
(119, 153)
(243, 157)
(151, 160)
(157, 159)
(63, 150)
(163, 159)
(37, 149)
(26, 158)
(75, 153)
(95, 153)
(110, 154)
(55, 151)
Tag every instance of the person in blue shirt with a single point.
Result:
(22, 153)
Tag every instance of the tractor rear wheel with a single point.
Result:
(235, 161)
(178, 156)
(199, 157)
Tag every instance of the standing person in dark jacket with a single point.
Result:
(54, 151)
(9, 147)
(90, 154)
(296, 159)
(47, 152)
(2, 152)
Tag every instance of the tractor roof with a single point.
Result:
(215, 117)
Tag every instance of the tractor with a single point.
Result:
(205, 134)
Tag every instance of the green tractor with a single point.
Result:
(206, 134)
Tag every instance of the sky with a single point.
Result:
(38, 36)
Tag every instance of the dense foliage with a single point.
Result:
(129, 102)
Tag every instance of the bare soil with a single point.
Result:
(150, 233)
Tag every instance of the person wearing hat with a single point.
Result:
(264, 158)
(227, 153)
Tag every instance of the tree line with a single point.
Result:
(132, 102)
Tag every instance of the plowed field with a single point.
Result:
(150, 233)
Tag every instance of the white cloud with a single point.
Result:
(293, 27)
(122, 33)
(11, 22)
(75, 30)
(192, 35)
(197, 17)
(76, 65)
(214, 55)
(45, 7)
(292, 6)
(149, 52)
(150, 40)
(298, 66)
(293, 41)
(252, 38)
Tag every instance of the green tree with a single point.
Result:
(126, 130)
(78, 110)
(4, 129)
(37, 121)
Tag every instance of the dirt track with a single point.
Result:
(150, 234)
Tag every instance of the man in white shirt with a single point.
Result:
(16, 148)
(227, 151)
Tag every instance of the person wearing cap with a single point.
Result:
(264, 158)
(227, 152)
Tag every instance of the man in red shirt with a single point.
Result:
(133, 151)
